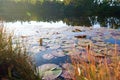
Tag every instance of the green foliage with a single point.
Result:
(15, 64)
(71, 12)
(28, 13)
(55, 7)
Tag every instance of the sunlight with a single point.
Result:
(79, 72)
(30, 28)
(62, 39)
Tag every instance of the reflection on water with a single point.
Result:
(113, 41)
(110, 22)
(31, 27)
(11, 11)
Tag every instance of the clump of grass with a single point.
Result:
(96, 68)
(15, 64)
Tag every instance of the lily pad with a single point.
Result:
(76, 30)
(55, 47)
(58, 53)
(66, 45)
(84, 41)
(99, 39)
(67, 51)
(49, 71)
(48, 56)
(101, 44)
(81, 36)
(68, 71)
(67, 41)
(35, 49)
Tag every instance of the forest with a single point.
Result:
(69, 7)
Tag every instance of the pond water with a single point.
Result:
(33, 31)
(53, 38)
(60, 41)
(58, 38)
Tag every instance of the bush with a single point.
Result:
(15, 64)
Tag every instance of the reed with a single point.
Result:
(96, 67)
(15, 64)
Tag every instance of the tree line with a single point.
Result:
(72, 12)
(67, 7)
(80, 7)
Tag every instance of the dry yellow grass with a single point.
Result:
(96, 67)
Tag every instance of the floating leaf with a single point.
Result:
(48, 56)
(49, 71)
(28, 13)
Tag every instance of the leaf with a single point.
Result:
(50, 71)
(28, 13)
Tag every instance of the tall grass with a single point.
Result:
(96, 67)
(15, 64)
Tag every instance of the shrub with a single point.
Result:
(15, 64)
